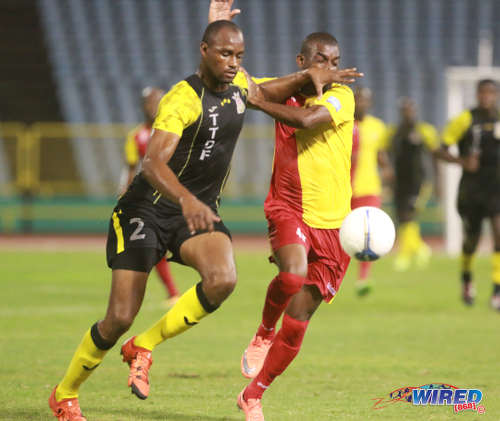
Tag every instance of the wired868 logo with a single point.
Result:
(435, 394)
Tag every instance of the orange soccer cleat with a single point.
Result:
(66, 409)
(252, 408)
(254, 356)
(139, 360)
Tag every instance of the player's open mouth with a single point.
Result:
(230, 74)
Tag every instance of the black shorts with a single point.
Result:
(405, 196)
(139, 237)
(476, 201)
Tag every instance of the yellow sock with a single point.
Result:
(415, 239)
(189, 309)
(405, 238)
(466, 262)
(86, 358)
(496, 268)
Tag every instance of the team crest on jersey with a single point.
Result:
(335, 102)
(240, 105)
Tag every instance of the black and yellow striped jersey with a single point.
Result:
(208, 124)
(477, 131)
(408, 145)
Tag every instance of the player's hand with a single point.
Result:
(255, 93)
(320, 77)
(471, 163)
(198, 216)
(221, 10)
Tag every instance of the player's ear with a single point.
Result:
(203, 48)
(300, 59)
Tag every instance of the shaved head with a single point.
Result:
(311, 40)
(214, 28)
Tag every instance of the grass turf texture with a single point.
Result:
(410, 331)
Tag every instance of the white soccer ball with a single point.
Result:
(367, 233)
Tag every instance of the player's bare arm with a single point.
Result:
(387, 172)
(469, 163)
(300, 118)
(278, 90)
(160, 149)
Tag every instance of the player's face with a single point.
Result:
(409, 110)
(321, 55)
(487, 96)
(223, 56)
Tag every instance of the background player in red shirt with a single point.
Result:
(135, 149)
(309, 197)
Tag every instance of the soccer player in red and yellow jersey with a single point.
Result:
(135, 150)
(367, 158)
(309, 197)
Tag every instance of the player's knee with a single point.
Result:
(290, 283)
(220, 281)
(121, 322)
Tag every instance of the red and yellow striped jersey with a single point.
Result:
(311, 169)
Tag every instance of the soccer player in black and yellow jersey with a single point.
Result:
(172, 206)
(410, 143)
(476, 132)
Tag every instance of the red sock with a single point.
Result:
(163, 270)
(364, 269)
(285, 348)
(279, 292)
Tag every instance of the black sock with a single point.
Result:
(496, 289)
(466, 277)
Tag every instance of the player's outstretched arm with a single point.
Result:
(278, 90)
(161, 147)
(298, 117)
(221, 10)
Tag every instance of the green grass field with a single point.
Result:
(411, 331)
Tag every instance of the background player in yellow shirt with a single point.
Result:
(368, 158)
(476, 132)
(135, 150)
(410, 144)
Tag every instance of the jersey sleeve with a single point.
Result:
(381, 130)
(240, 80)
(339, 101)
(178, 109)
(456, 128)
(429, 135)
(386, 138)
(131, 151)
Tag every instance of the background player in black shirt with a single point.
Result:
(411, 144)
(476, 132)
